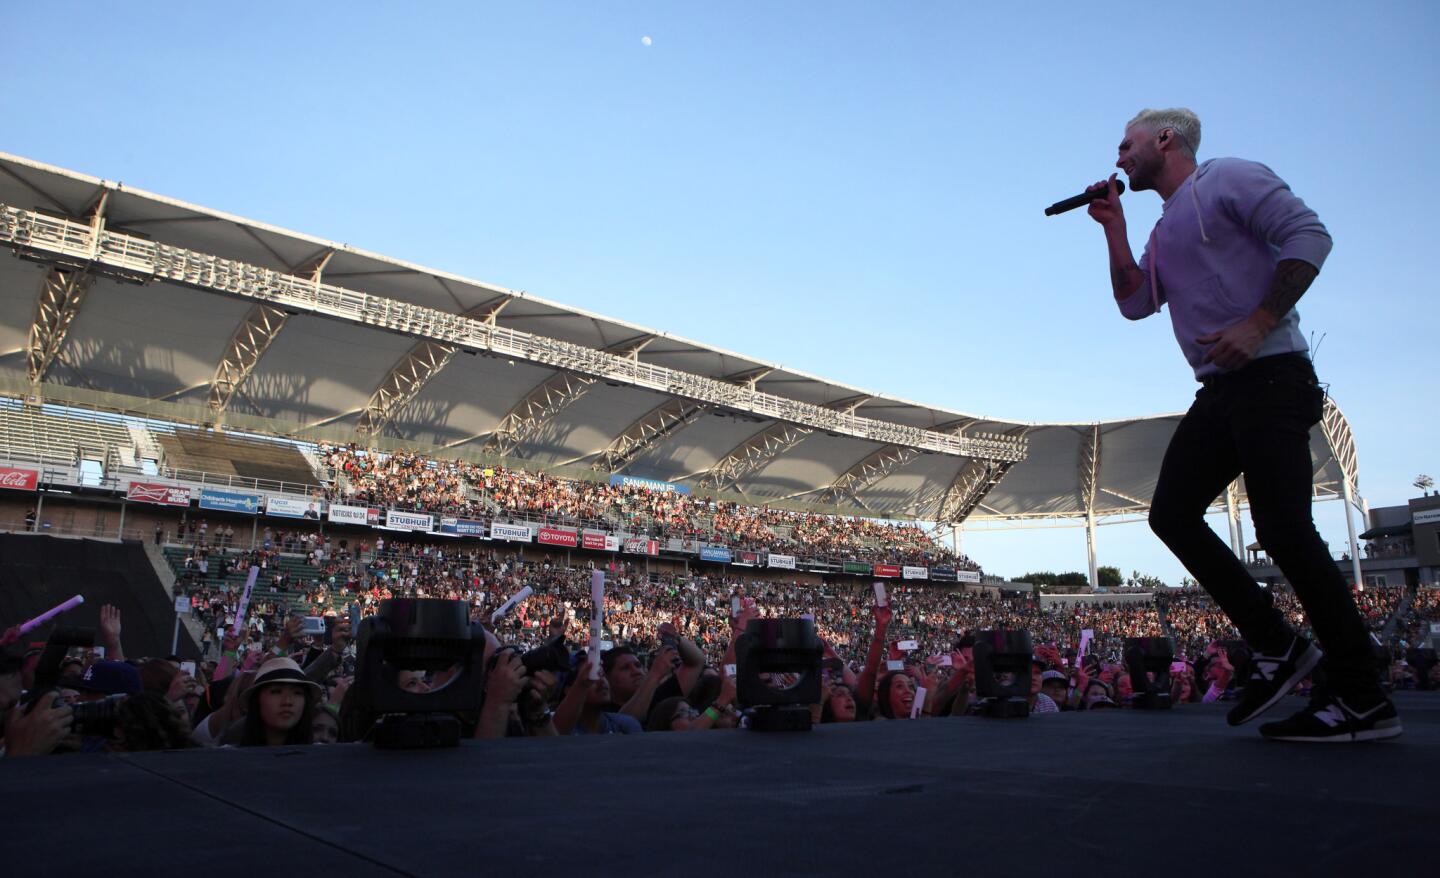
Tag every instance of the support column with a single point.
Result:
(121, 534)
(1350, 529)
(39, 511)
(1090, 549)
(1232, 516)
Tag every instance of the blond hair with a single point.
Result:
(1182, 121)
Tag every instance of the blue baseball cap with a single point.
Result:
(108, 678)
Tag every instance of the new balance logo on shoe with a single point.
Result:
(1266, 668)
(1331, 716)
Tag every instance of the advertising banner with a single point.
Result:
(341, 514)
(402, 520)
(557, 536)
(783, 562)
(859, 567)
(600, 542)
(647, 484)
(164, 495)
(514, 533)
(230, 501)
(915, 572)
(942, 574)
(1425, 516)
(19, 479)
(292, 507)
(747, 559)
(641, 546)
(887, 569)
(463, 527)
(967, 575)
(715, 553)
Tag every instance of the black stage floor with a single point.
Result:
(1163, 794)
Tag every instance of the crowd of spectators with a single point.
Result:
(410, 481)
(668, 644)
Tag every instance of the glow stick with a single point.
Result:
(51, 613)
(509, 605)
(244, 604)
(597, 620)
(880, 599)
(919, 702)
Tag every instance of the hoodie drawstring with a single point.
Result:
(1195, 199)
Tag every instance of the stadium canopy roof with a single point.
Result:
(136, 301)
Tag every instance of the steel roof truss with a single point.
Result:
(48, 238)
(403, 383)
(61, 295)
(257, 330)
(551, 397)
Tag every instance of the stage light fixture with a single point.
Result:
(1002, 673)
(419, 634)
(1148, 660)
(778, 673)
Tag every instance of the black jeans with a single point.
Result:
(1257, 421)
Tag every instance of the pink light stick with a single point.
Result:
(51, 613)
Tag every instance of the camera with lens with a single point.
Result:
(94, 718)
(90, 718)
(549, 656)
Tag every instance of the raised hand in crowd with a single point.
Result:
(110, 632)
(503, 685)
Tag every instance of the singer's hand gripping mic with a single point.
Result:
(1082, 199)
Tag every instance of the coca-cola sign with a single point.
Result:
(19, 479)
(165, 495)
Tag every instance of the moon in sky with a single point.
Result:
(645, 41)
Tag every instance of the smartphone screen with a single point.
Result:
(187, 668)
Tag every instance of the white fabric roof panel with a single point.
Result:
(586, 427)
(694, 448)
(817, 459)
(157, 340)
(121, 347)
(467, 398)
(920, 485)
(19, 285)
(317, 368)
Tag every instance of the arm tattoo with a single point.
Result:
(1125, 279)
(1292, 278)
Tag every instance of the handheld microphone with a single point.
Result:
(1082, 199)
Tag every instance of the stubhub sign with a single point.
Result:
(515, 533)
(408, 520)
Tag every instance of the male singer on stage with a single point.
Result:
(1232, 253)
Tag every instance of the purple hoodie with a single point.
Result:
(1213, 253)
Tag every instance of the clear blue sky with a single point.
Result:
(850, 189)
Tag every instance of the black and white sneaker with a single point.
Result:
(1272, 677)
(1330, 718)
